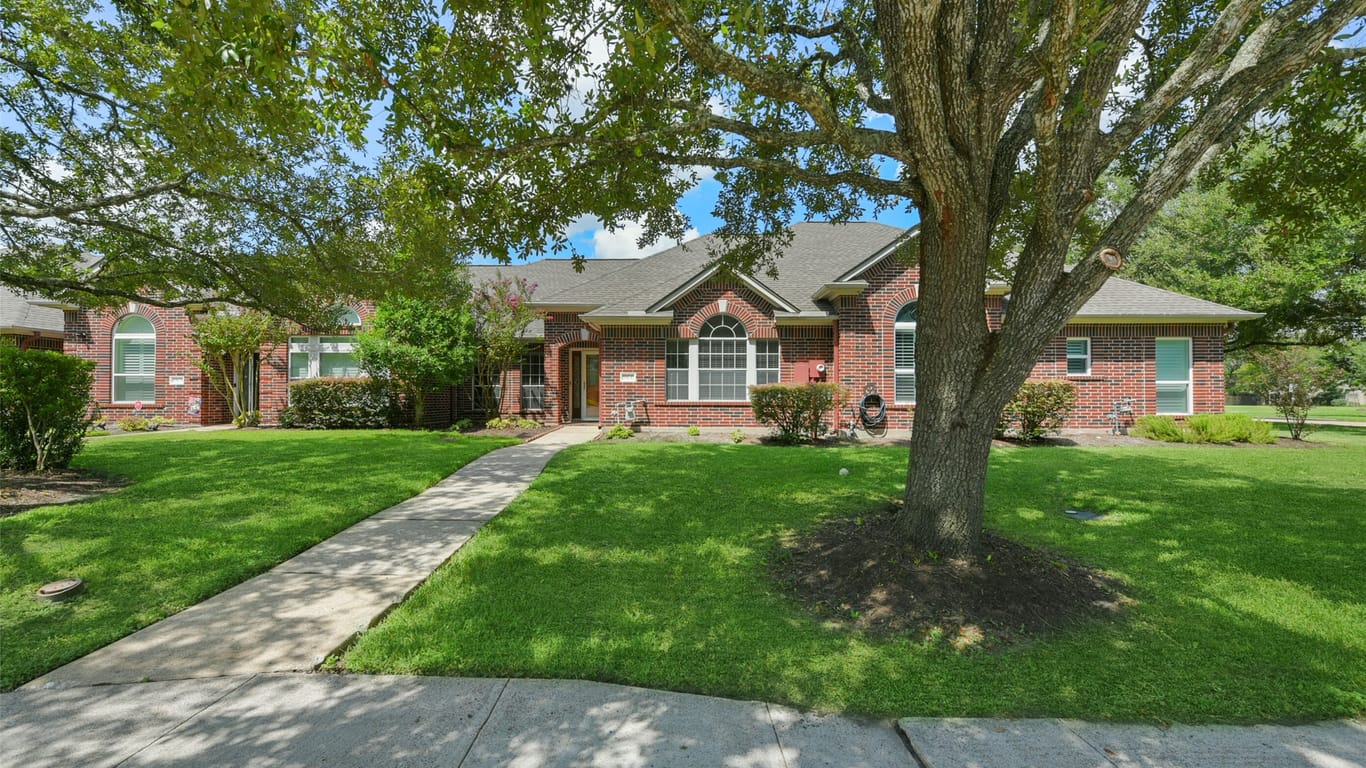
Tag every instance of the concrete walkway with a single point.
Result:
(363, 721)
(295, 615)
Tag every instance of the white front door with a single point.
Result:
(588, 385)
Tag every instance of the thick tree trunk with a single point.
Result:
(946, 482)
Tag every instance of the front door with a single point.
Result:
(588, 385)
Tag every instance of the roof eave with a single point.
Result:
(837, 289)
(1208, 319)
(803, 318)
(630, 318)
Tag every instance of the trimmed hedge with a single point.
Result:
(43, 401)
(1040, 407)
(796, 411)
(328, 403)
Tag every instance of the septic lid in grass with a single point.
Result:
(1081, 514)
(61, 589)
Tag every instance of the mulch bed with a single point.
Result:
(857, 573)
(21, 491)
(521, 434)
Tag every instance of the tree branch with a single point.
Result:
(32, 208)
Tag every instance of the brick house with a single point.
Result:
(687, 339)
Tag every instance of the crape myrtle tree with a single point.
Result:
(993, 119)
(181, 153)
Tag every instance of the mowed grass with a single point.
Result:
(645, 564)
(204, 511)
(1326, 412)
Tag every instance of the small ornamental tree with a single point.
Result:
(502, 311)
(43, 400)
(230, 340)
(1289, 380)
(419, 343)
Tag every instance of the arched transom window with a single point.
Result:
(135, 360)
(905, 354)
(330, 356)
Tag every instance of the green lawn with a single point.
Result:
(644, 564)
(1329, 412)
(204, 511)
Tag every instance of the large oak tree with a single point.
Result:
(994, 119)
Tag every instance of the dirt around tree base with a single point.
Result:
(856, 573)
(22, 491)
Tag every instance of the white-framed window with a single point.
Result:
(1174, 376)
(904, 363)
(720, 364)
(533, 379)
(1078, 357)
(328, 356)
(135, 360)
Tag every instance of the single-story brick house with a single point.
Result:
(687, 340)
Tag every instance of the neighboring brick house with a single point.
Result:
(679, 335)
(28, 322)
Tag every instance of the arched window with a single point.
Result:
(347, 317)
(331, 356)
(905, 354)
(135, 360)
(722, 348)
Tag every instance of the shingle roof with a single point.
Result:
(818, 255)
(16, 313)
(1120, 298)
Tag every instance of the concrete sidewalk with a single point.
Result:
(293, 616)
(362, 721)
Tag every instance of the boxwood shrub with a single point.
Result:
(795, 411)
(43, 402)
(328, 403)
(1040, 407)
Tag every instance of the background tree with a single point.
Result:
(993, 119)
(419, 344)
(1311, 287)
(230, 341)
(502, 311)
(183, 153)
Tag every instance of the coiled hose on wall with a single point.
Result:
(872, 409)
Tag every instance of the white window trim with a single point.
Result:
(113, 363)
(1067, 355)
(1189, 381)
(911, 326)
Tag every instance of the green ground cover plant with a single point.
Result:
(646, 564)
(203, 512)
(1221, 428)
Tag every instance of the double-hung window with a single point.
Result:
(533, 379)
(720, 364)
(135, 360)
(904, 363)
(1174, 376)
(1078, 357)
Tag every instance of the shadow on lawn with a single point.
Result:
(645, 565)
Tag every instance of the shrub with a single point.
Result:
(43, 402)
(1039, 408)
(329, 403)
(1205, 428)
(1162, 428)
(796, 411)
(511, 422)
(1227, 428)
(620, 432)
(134, 424)
(738, 436)
(694, 431)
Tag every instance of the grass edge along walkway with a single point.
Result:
(204, 512)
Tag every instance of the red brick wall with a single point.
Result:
(1123, 364)
(90, 335)
(866, 336)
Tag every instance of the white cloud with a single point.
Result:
(621, 243)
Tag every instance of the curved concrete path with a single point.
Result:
(295, 615)
(223, 687)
